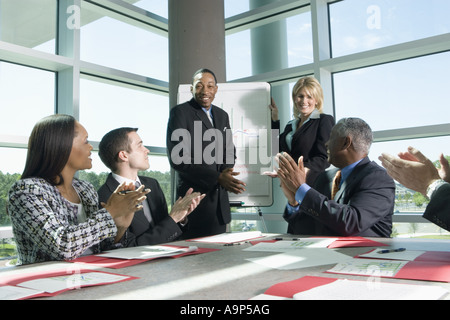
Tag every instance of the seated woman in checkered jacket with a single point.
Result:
(56, 216)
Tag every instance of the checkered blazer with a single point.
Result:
(45, 224)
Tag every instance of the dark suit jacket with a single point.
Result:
(309, 142)
(163, 228)
(362, 207)
(196, 169)
(438, 210)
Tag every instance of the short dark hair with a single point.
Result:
(112, 143)
(359, 130)
(204, 70)
(49, 148)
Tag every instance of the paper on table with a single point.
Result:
(232, 237)
(296, 259)
(16, 293)
(364, 290)
(77, 280)
(282, 246)
(407, 255)
(145, 252)
(366, 267)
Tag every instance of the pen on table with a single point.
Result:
(293, 239)
(391, 250)
(234, 243)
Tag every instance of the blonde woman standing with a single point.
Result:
(307, 134)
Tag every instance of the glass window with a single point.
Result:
(419, 230)
(275, 46)
(123, 107)
(12, 164)
(26, 96)
(235, 7)
(299, 37)
(113, 43)
(12, 160)
(29, 23)
(159, 7)
(403, 94)
(430, 147)
(238, 55)
(360, 25)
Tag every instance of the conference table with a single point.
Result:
(226, 273)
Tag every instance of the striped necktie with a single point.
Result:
(336, 183)
(208, 113)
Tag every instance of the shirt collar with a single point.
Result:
(345, 172)
(121, 179)
(314, 115)
(208, 111)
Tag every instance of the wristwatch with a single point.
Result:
(434, 186)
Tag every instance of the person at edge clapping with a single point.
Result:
(415, 171)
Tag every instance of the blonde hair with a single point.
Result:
(314, 89)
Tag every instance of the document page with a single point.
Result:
(295, 259)
(16, 293)
(371, 290)
(369, 267)
(407, 255)
(232, 237)
(73, 281)
(281, 246)
(146, 252)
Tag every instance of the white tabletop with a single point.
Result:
(225, 274)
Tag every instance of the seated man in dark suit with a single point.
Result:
(360, 204)
(122, 151)
(415, 171)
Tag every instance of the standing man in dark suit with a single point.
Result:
(123, 151)
(360, 203)
(201, 150)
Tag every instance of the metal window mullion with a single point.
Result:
(68, 45)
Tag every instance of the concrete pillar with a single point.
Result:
(196, 40)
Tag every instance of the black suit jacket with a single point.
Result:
(162, 229)
(362, 207)
(192, 161)
(438, 210)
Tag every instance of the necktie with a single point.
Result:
(208, 113)
(335, 186)
(146, 208)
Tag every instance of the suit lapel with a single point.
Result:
(139, 216)
(355, 175)
(204, 118)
